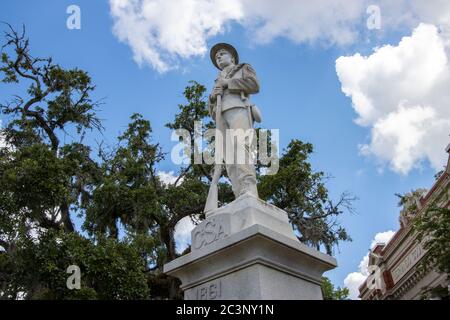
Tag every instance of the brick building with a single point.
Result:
(394, 266)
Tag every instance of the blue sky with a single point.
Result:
(301, 91)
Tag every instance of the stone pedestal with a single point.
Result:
(248, 250)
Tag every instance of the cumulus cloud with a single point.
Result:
(331, 22)
(168, 177)
(435, 12)
(355, 279)
(382, 237)
(401, 93)
(352, 282)
(407, 14)
(183, 233)
(161, 32)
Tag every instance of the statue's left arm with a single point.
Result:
(249, 83)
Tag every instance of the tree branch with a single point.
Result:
(4, 244)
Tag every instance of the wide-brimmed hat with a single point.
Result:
(224, 46)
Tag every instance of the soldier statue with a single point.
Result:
(230, 106)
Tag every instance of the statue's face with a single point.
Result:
(224, 58)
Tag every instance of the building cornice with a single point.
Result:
(403, 242)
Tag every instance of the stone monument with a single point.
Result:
(246, 249)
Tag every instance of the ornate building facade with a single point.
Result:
(394, 267)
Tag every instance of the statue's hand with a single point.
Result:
(222, 83)
(217, 91)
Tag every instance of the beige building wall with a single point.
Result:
(396, 271)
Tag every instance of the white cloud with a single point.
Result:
(401, 93)
(352, 282)
(183, 233)
(409, 13)
(355, 279)
(168, 177)
(331, 22)
(161, 32)
(435, 12)
(382, 237)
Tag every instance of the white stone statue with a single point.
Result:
(247, 249)
(230, 106)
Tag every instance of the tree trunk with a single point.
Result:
(169, 241)
(65, 218)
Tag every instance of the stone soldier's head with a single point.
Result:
(223, 55)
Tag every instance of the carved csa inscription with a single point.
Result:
(210, 291)
(208, 232)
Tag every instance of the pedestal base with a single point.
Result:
(237, 255)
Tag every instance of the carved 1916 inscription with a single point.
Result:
(208, 232)
(210, 291)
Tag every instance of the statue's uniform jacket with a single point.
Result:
(235, 115)
(242, 80)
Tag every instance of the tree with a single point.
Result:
(301, 192)
(39, 268)
(433, 227)
(331, 293)
(45, 180)
(44, 177)
(131, 192)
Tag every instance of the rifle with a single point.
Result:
(212, 200)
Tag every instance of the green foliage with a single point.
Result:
(56, 98)
(35, 177)
(38, 173)
(109, 269)
(194, 110)
(331, 293)
(46, 180)
(433, 228)
(301, 192)
(127, 191)
(43, 182)
(131, 193)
